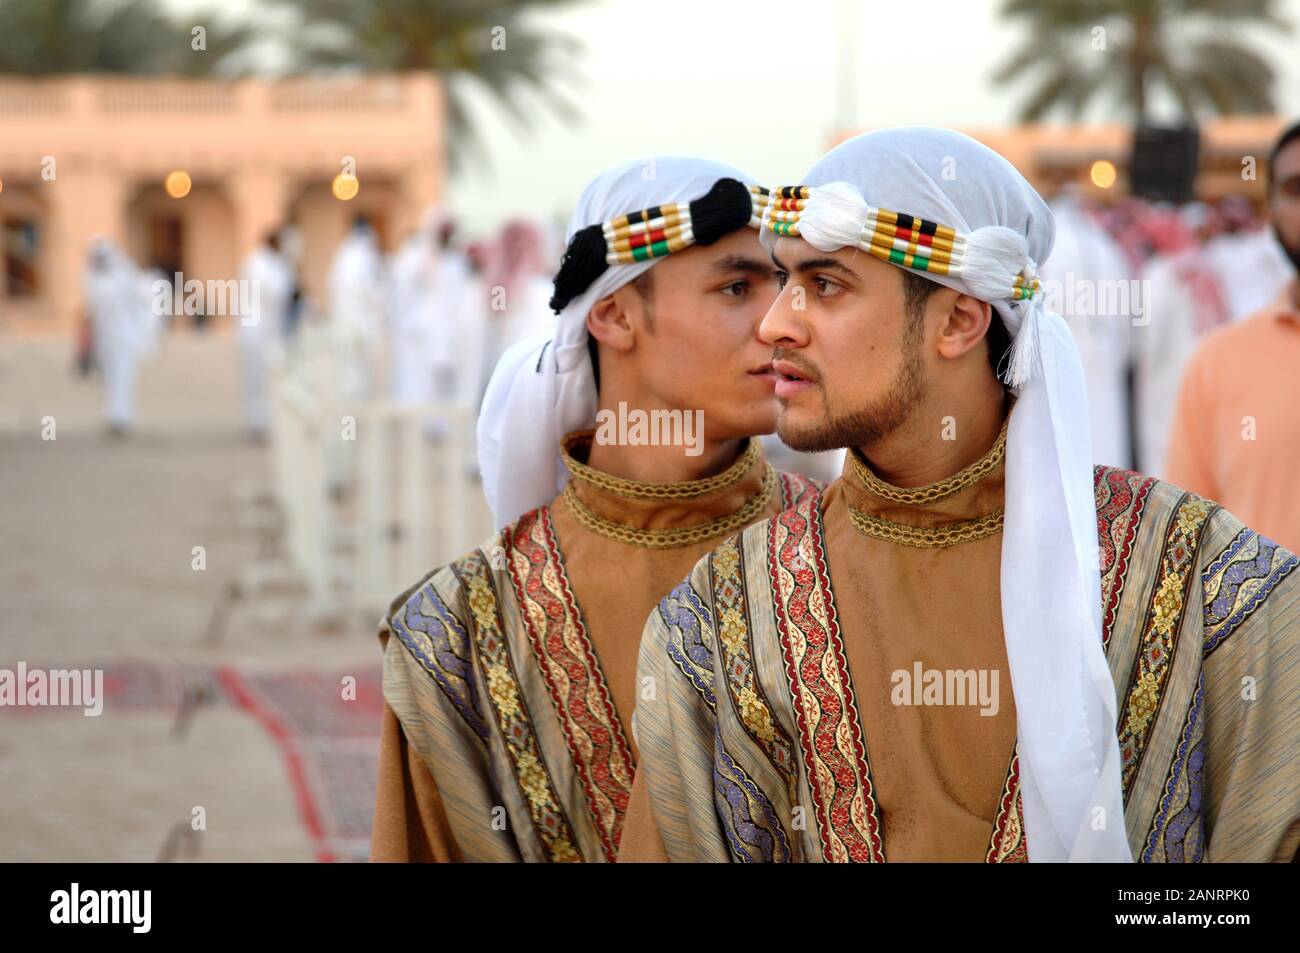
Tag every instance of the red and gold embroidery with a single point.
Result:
(735, 643)
(830, 731)
(795, 489)
(731, 610)
(1160, 634)
(511, 710)
(580, 695)
(1008, 844)
(833, 744)
(1121, 497)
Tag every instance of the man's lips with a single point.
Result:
(786, 369)
(790, 380)
(765, 373)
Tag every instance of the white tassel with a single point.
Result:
(1026, 361)
(833, 217)
(994, 256)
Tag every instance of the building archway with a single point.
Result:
(194, 235)
(323, 221)
(26, 269)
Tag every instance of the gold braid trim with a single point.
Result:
(642, 490)
(671, 538)
(933, 492)
(927, 537)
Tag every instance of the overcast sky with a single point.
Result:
(762, 84)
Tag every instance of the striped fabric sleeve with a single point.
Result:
(675, 723)
(1251, 684)
(432, 685)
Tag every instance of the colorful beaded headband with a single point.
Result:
(895, 237)
(655, 232)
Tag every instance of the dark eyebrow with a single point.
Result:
(745, 263)
(816, 264)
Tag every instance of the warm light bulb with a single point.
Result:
(345, 187)
(1103, 174)
(178, 184)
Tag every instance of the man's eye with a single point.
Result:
(825, 288)
(781, 278)
(736, 288)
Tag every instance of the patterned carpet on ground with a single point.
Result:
(327, 732)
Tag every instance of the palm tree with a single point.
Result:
(1191, 49)
(460, 39)
(52, 37)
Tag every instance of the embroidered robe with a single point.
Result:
(508, 676)
(754, 745)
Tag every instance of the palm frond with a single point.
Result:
(525, 80)
(1232, 77)
(1195, 49)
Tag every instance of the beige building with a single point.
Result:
(86, 156)
(1050, 155)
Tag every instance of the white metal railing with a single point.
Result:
(412, 496)
(300, 486)
(374, 493)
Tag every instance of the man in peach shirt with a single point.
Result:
(1236, 434)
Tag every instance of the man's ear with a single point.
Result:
(967, 321)
(610, 322)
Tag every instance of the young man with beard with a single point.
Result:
(974, 646)
(1236, 433)
(509, 674)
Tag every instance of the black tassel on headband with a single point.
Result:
(653, 233)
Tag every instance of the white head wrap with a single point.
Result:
(545, 387)
(1051, 592)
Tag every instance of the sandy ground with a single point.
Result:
(96, 542)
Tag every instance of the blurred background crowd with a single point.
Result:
(258, 265)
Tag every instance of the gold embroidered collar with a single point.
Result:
(941, 490)
(926, 537)
(644, 490)
(930, 537)
(682, 490)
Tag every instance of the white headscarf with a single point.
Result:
(1051, 590)
(545, 387)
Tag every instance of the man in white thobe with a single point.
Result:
(125, 328)
(413, 318)
(268, 276)
(356, 289)
(1092, 277)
